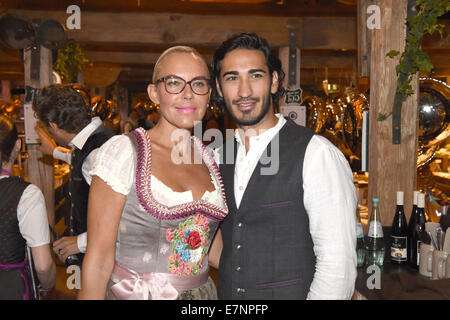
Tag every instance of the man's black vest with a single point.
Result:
(268, 250)
(12, 248)
(78, 187)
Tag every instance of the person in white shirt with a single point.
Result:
(63, 112)
(23, 222)
(290, 232)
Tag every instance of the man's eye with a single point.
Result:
(231, 78)
(257, 75)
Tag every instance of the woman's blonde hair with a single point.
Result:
(176, 49)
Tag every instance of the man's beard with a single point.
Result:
(249, 121)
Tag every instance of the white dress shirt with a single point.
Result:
(65, 155)
(32, 216)
(330, 202)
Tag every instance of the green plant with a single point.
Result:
(413, 59)
(70, 62)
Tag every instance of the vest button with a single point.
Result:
(240, 224)
(238, 269)
(240, 290)
(238, 246)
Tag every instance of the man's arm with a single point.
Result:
(330, 201)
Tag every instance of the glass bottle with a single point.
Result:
(418, 231)
(360, 247)
(375, 240)
(399, 237)
(410, 228)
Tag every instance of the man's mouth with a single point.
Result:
(246, 104)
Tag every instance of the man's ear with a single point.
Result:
(274, 86)
(219, 89)
(53, 125)
(152, 93)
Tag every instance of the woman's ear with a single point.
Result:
(153, 93)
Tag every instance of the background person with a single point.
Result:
(63, 112)
(23, 222)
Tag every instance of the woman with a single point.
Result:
(23, 221)
(153, 207)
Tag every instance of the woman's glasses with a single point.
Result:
(175, 84)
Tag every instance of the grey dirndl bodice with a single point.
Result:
(155, 238)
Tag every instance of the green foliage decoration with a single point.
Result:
(70, 62)
(413, 59)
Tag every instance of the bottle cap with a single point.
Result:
(415, 197)
(399, 198)
(421, 200)
(375, 201)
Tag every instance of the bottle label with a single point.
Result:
(399, 248)
(375, 229)
(418, 251)
(359, 230)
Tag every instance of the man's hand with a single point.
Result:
(47, 143)
(65, 247)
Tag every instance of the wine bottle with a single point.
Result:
(410, 228)
(399, 237)
(360, 247)
(418, 231)
(375, 240)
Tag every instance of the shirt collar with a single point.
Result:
(80, 139)
(264, 134)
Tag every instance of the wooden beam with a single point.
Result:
(392, 167)
(286, 8)
(364, 36)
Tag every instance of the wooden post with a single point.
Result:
(364, 36)
(40, 167)
(392, 167)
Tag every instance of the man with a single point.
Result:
(290, 231)
(66, 117)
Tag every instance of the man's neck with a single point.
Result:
(268, 122)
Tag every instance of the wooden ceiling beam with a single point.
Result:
(290, 8)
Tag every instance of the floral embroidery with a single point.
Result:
(188, 245)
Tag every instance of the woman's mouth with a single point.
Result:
(186, 109)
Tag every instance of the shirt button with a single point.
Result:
(241, 188)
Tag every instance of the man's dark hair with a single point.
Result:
(250, 41)
(63, 105)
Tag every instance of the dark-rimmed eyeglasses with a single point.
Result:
(174, 84)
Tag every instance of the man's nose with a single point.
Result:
(245, 88)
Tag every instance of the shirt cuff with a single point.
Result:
(82, 242)
(62, 154)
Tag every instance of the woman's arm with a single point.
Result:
(44, 265)
(215, 250)
(104, 211)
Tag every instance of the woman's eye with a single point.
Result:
(173, 83)
(199, 84)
